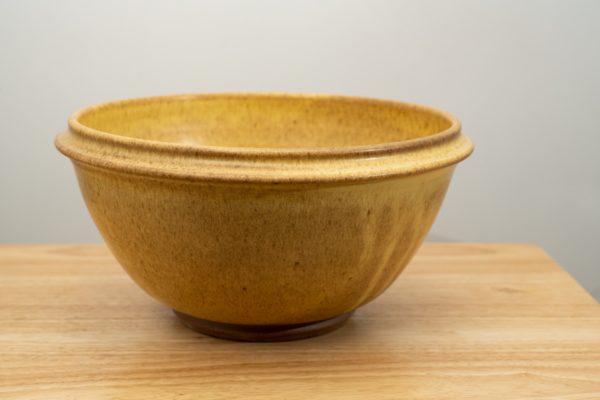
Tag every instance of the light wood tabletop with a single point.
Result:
(464, 321)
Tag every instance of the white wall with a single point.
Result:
(523, 76)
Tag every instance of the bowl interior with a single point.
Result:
(265, 121)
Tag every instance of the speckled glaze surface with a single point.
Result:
(263, 209)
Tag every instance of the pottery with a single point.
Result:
(263, 216)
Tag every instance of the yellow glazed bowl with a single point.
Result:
(263, 216)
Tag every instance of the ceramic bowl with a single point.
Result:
(263, 216)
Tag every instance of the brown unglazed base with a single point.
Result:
(263, 333)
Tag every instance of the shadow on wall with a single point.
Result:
(434, 237)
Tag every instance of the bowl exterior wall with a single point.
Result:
(262, 253)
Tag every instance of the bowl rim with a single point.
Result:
(328, 151)
(94, 148)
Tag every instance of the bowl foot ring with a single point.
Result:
(263, 333)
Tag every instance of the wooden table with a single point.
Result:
(464, 321)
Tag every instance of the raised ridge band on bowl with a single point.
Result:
(332, 163)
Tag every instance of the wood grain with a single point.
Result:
(464, 321)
